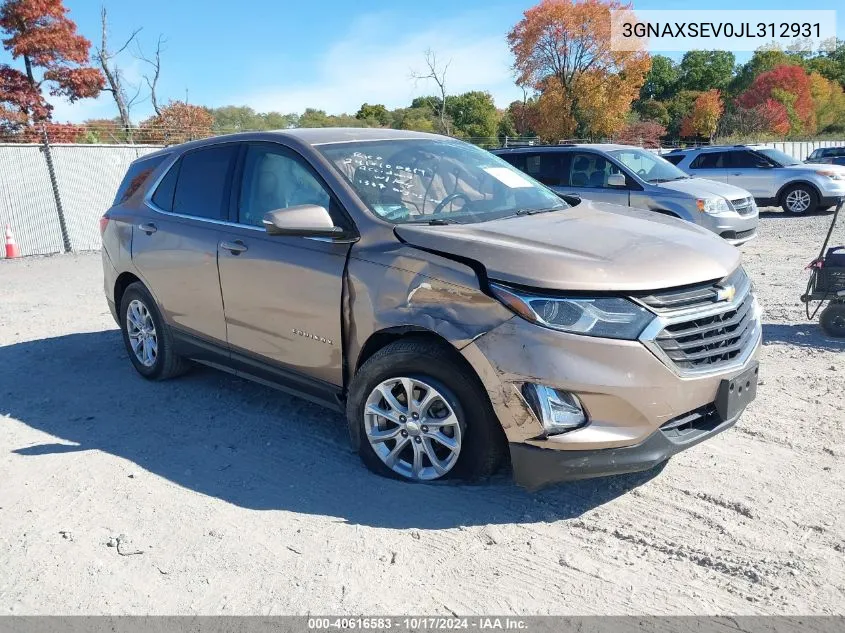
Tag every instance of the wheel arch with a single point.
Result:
(784, 188)
(384, 337)
(123, 281)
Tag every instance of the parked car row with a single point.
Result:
(635, 177)
(771, 176)
(462, 314)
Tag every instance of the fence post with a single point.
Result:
(48, 156)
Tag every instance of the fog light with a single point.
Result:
(558, 411)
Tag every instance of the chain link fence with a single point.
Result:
(52, 196)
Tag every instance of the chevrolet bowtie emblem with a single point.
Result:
(725, 293)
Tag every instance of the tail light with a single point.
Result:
(104, 221)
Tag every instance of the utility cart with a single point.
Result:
(827, 284)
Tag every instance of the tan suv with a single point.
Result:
(458, 311)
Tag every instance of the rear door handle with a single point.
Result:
(149, 228)
(236, 248)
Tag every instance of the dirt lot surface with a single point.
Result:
(208, 494)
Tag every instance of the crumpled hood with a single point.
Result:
(702, 188)
(593, 246)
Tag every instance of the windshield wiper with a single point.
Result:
(659, 180)
(432, 222)
(536, 211)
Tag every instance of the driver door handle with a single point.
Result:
(149, 228)
(236, 248)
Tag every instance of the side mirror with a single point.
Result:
(616, 180)
(306, 220)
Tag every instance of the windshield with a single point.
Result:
(437, 181)
(777, 156)
(648, 165)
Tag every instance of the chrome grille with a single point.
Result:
(697, 332)
(709, 341)
(701, 295)
(744, 206)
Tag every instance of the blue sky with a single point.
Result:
(286, 55)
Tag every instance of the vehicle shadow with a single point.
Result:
(246, 444)
(802, 335)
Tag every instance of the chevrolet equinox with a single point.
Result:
(459, 312)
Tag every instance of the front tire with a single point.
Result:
(420, 415)
(832, 320)
(799, 199)
(147, 338)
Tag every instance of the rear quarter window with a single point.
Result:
(675, 159)
(136, 177)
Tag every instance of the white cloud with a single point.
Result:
(376, 59)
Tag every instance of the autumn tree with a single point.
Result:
(829, 104)
(178, 122)
(642, 133)
(703, 119)
(562, 50)
(55, 59)
(790, 86)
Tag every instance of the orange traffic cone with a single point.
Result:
(12, 248)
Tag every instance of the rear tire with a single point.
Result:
(799, 199)
(450, 409)
(148, 340)
(832, 320)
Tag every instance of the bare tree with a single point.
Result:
(114, 76)
(155, 63)
(438, 75)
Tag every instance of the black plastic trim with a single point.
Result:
(246, 365)
(535, 467)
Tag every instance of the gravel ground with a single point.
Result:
(212, 495)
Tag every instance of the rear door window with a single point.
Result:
(590, 170)
(202, 183)
(136, 177)
(710, 160)
(746, 160)
(546, 167)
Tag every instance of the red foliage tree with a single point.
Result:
(776, 116)
(788, 86)
(643, 133)
(177, 122)
(54, 56)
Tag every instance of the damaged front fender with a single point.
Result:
(417, 290)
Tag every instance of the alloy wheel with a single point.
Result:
(412, 428)
(141, 330)
(798, 200)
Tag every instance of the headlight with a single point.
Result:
(608, 317)
(712, 205)
(833, 175)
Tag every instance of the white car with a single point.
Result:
(773, 177)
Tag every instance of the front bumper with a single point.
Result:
(535, 467)
(627, 391)
(734, 228)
